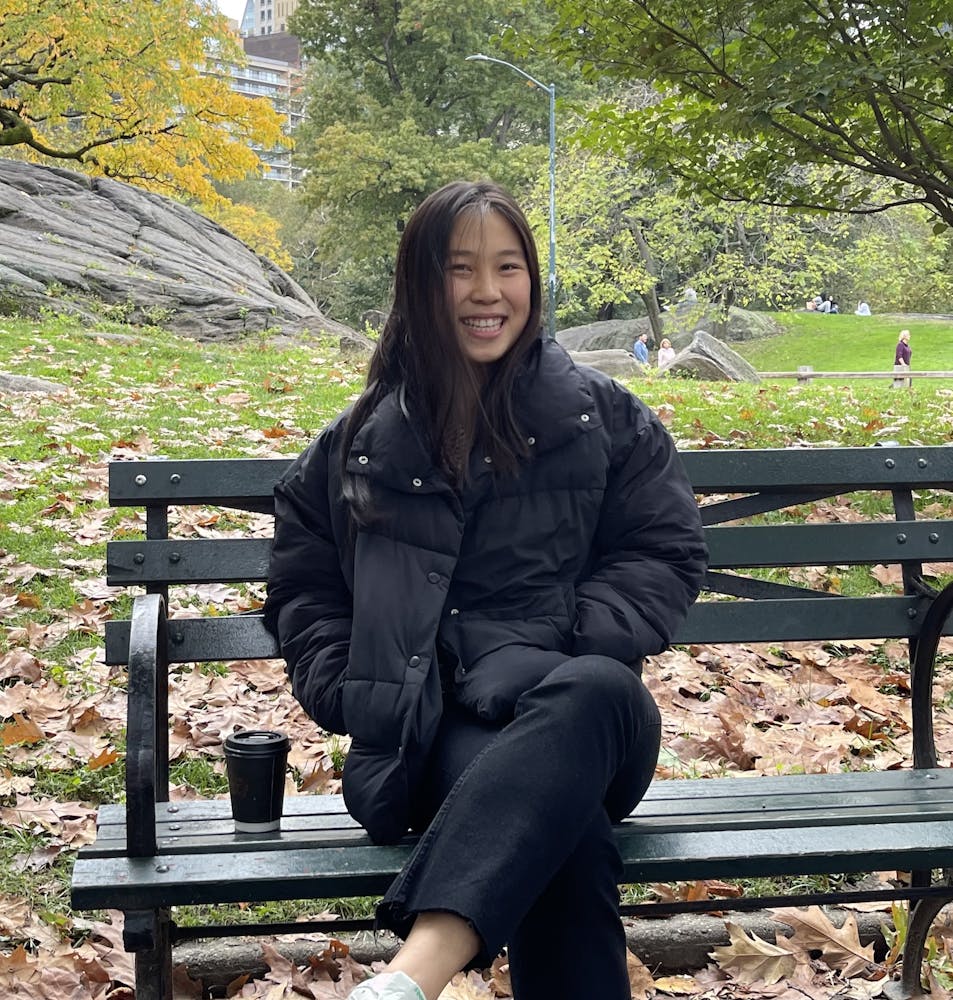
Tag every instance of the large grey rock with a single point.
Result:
(708, 359)
(98, 248)
(618, 364)
(609, 334)
(29, 383)
(679, 324)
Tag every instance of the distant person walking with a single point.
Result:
(901, 359)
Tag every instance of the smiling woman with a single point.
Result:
(468, 569)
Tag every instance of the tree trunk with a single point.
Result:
(649, 297)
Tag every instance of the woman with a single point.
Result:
(666, 353)
(468, 568)
(901, 357)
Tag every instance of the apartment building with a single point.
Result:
(273, 72)
(267, 17)
(282, 83)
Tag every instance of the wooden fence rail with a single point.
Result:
(900, 374)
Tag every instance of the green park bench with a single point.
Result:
(151, 855)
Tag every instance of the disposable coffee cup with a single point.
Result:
(255, 760)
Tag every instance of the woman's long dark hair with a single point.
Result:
(452, 400)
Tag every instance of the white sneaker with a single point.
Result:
(388, 986)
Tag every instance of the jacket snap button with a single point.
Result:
(414, 661)
(487, 459)
(531, 441)
(418, 482)
(454, 611)
(585, 418)
(433, 577)
(362, 459)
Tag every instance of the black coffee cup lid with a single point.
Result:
(254, 741)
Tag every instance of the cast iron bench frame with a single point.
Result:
(151, 854)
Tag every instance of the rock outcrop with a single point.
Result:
(708, 359)
(98, 248)
(680, 325)
(29, 383)
(618, 364)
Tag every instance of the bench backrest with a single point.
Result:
(734, 486)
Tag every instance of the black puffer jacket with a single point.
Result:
(595, 547)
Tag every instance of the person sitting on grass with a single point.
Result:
(666, 353)
(641, 349)
(469, 566)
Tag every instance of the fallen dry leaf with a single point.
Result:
(467, 986)
(641, 984)
(678, 986)
(500, 976)
(750, 959)
(840, 947)
(21, 730)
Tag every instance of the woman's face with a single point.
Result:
(488, 285)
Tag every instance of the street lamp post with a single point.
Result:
(551, 90)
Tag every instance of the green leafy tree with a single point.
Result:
(753, 96)
(395, 110)
(624, 235)
(896, 264)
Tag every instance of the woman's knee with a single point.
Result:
(600, 683)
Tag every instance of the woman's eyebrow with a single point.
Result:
(508, 252)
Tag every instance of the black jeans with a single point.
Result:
(520, 843)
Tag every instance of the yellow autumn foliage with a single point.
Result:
(118, 90)
(252, 226)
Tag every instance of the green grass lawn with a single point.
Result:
(848, 343)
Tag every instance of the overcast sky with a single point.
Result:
(233, 8)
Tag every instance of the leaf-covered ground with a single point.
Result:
(746, 709)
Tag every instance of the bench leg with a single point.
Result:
(922, 915)
(148, 934)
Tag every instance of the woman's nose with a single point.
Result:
(485, 285)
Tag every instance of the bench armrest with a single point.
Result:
(147, 723)
(921, 677)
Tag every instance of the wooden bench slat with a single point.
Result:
(750, 546)
(663, 797)
(226, 482)
(796, 620)
(809, 469)
(237, 637)
(201, 560)
(296, 873)
(299, 833)
(220, 481)
(699, 805)
(206, 560)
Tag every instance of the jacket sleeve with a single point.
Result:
(309, 605)
(649, 555)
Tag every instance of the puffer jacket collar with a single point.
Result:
(552, 404)
(553, 401)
